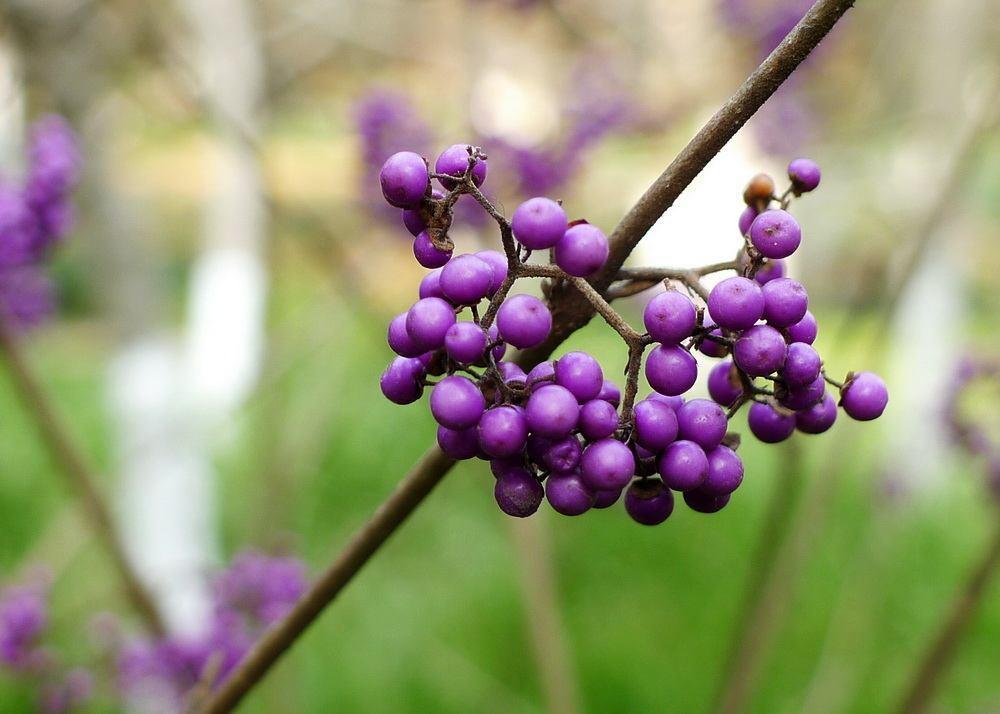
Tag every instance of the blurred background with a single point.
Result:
(209, 326)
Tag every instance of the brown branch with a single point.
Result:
(940, 653)
(73, 467)
(571, 310)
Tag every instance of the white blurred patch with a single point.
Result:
(521, 112)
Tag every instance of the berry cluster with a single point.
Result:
(562, 431)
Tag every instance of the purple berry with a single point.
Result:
(598, 419)
(454, 161)
(775, 233)
(537, 446)
(805, 330)
(465, 342)
(736, 303)
(413, 221)
(400, 382)
(552, 411)
(655, 424)
(606, 499)
(817, 418)
(562, 456)
(670, 317)
(711, 348)
(768, 424)
(430, 286)
(493, 336)
(428, 321)
(459, 444)
(404, 179)
(683, 465)
(542, 374)
(799, 398)
(466, 280)
(725, 471)
(457, 403)
(607, 464)
(674, 402)
(512, 373)
(771, 270)
(524, 321)
(804, 174)
(581, 374)
(724, 385)
(398, 339)
(785, 302)
(704, 502)
(498, 261)
(802, 365)
(539, 223)
(649, 502)
(610, 393)
(760, 351)
(428, 255)
(503, 431)
(582, 250)
(518, 493)
(702, 421)
(568, 494)
(671, 370)
(746, 219)
(864, 396)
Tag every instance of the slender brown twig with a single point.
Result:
(72, 465)
(571, 311)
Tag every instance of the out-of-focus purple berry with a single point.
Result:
(746, 219)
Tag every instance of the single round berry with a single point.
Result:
(805, 330)
(400, 383)
(759, 191)
(512, 373)
(404, 179)
(798, 398)
(562, 456)
(427, 254)
(454, 161)
(817, 418)
(413, 221)
(671, 370)
(785, 302)
(459, 444)
(598, 419)
(524, 321)
(457, 403)
(498, 261)
(704, 502)
(648, 502)
(802, 365)
(610, 393)
(398, 339)
(724, 385)
(539, 223)
(466, 280)
(503, 431)
(771, 270)
(701, 421)
(736, 303)
(607, 464)
(725, 471)
(655, 424)
(581, 374)
(582, 250)
(542, 374)
(760, 351)
(430, 286)
(465, 342)
(746, 219)
(568, 494)
(775, 233)
(552, 411)
(864, 396)
(683, 465)
(606, 499)
(670, 317)
(768, 424)
(428, 321)
(518, 493)
(804, 174)
(711, 348)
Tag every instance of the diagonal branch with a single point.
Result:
(570, 310)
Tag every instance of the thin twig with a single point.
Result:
(73, 467)
(571, 311)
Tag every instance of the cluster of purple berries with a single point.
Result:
(563, 432)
